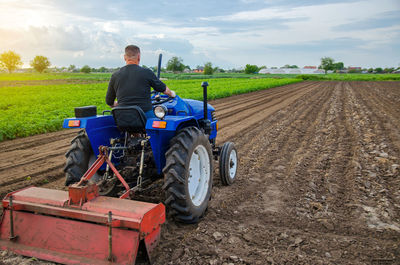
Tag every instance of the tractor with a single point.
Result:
(118, 154)
(178, 146)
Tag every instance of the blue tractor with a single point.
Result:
(179, 146)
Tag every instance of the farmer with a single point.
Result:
(131, 84)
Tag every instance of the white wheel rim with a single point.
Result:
(199, 175)
(232, 164)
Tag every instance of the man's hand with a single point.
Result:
(170, 93)
(114, 105)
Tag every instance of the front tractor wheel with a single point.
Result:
(188, 175)
(228, 162)
(80, 157)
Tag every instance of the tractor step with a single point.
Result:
(42, 223)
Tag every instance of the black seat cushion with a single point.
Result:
(87, 111)
(130, 119)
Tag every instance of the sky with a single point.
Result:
(230, 34)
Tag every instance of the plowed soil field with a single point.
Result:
(318, 180)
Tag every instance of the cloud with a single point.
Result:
(304, 25)
(45, 38)
(227, 33)
(384, 20)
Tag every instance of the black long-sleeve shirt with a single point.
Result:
(131, 86)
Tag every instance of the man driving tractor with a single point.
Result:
(131, 84)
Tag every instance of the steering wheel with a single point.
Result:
(159, 99)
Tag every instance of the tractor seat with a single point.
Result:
(130, 119)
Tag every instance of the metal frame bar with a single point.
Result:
(97, 164)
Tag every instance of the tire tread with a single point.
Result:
(77, 158)
(174, 174)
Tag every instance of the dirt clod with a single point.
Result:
(217, 236)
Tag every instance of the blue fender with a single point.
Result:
(160, 137)
(99, 129)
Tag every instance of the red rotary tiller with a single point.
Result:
(79, 226)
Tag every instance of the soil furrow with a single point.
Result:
(248, 104)
(241, 121)
(51, 174)
(233, 100)
(262, 168)
(26, 159)
(241, 103)
(308, 155)
(37, 140)
(378, 163)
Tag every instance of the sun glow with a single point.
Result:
(22, 16)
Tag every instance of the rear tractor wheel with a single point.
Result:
(188, 175)
(80, 157)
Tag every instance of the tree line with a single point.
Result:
(328, 64)
(12, 61)
(175, 64)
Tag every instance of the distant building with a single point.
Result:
(295, 71)
(199, 70)
(309, 67)
(264, 71)
(354, 68)
(319, 71)
(312, 70)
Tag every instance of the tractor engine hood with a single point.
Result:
(197, 108)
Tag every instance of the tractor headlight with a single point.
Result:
(160, 111)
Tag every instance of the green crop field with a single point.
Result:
(30, 109)
(53, 76)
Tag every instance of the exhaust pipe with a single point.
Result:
(205, 85)
(159, 66)
(205, 123)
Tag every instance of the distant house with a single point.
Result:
(198, 70)
(354, 68)
(309, 67)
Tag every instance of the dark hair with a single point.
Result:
(132, 50)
